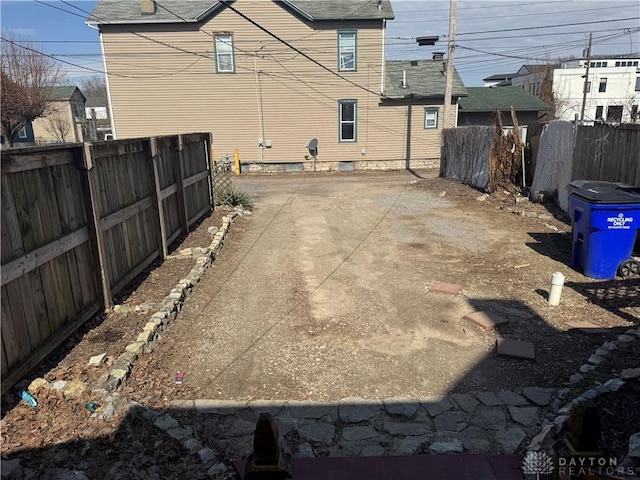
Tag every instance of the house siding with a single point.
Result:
(279, 96)
(42, 130)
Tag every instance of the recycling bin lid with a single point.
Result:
(605, 192)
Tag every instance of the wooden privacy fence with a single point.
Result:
(79, 222)
(609, 153)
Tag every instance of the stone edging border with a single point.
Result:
(168, 311)
(555, 422)
(172, 305)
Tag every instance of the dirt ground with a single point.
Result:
(323, 293)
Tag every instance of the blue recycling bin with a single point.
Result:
(605, 218)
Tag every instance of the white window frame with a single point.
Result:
(431, 117)
(345, 48)
(22, 133)
(224, 48)
(342, 122)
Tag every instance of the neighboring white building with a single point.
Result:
(613, 89)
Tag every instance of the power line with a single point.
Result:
(549, 26)
(256, 24)
(463, 18)
(59, 60)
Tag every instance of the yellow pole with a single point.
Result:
(237, 155)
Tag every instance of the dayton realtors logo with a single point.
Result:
(541, 464)
(537, 463)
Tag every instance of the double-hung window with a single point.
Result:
(431, 117)
(224, 53)
(347, 55)
(603, 85)
(347, 120)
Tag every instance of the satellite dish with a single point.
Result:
(313, 147)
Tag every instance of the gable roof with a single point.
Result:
(425, 79)
(63, 92)
(484, 99)
(193, 11)
(536, 68)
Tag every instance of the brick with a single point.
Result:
(515, 349)
(488, 321)
(446, 288)
(586, 327)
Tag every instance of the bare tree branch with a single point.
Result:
(26, 80)
(58, 126)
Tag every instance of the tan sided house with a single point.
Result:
(267, 77)
(64, 119)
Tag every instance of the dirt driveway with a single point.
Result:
(323, 293)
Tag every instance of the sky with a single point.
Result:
(492, 36)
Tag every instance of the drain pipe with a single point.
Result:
(557, 281)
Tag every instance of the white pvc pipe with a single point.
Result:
(557, 281)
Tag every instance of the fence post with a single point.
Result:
(154, 158)
(182, 199)
(92, 187)
(209, 155)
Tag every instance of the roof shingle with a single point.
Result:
(484, 99)
(177, 11)
(425, 79)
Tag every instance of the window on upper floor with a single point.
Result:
(347, 50)
(637, 89)
(431, 117)
(604, 64)
(224, 53)
(634, 113)
(588, 87)
(22, 133)
(603, 85)
(347, 120)
(618, 64)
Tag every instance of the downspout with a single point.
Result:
(106, 77)
(384, 27)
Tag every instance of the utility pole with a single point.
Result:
(586, 79)
(449, 71)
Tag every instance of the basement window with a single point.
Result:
(224, 53)
(431, 117)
